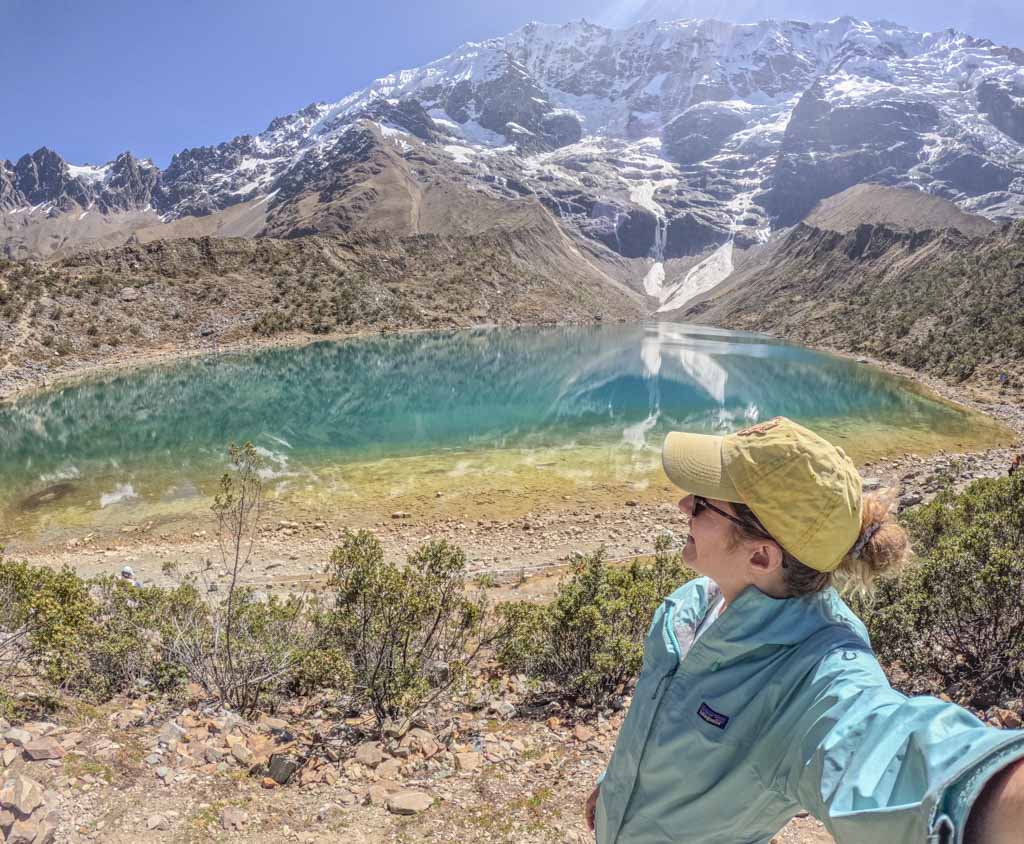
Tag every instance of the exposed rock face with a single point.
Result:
(698, 133)
(45, 179)
(1002, 102)
(184, 183)
(827, 149)
(130, 184)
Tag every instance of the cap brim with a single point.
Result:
(693, 462)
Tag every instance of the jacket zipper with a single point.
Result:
(664, 677)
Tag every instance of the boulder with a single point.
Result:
(41, 749)
(171, 732)
(233, 819)
(242, 754)
(468, 761)
(18, 736)
(409, 802)
(369, 753)
(21, 794)
(282, 767)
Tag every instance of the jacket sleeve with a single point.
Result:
(876, 766)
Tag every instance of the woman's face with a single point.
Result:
(711, 548)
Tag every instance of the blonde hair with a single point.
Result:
(881, 548)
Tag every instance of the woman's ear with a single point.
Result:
(765, 557)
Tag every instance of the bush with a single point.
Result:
(46, 620)
(411, 632)
(270, 645)
(589, 641)
(958, 612)
(92, 638)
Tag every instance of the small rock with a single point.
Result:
(369, 754)
(583, 733)
(282, 766)
(129, 718)
(233, 819)
(42, 749)
(389, 769)
(1008, 718)
(156, 822)
(377, 794)
(409, 802)
(400, 514)
(468, 761)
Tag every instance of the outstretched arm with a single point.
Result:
(874, 765)
(997, 816)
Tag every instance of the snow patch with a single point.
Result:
(88, 172)
(709, 273)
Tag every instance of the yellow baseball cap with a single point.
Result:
(804, 490)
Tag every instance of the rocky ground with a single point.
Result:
(491, 769)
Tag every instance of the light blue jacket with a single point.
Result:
(781, 706)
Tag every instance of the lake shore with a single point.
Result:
(532, 530)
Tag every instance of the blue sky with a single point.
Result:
(91, 78)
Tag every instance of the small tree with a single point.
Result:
(241, 648)
(411, 631)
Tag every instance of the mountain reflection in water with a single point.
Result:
(407, 394)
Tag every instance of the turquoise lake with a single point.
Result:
(372, 419)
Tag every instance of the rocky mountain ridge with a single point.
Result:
(936, 300)
(662, 142)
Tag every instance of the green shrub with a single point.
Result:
(958, 612)
(589, 640)
(92, 638)
(46, 619)
(400, 624)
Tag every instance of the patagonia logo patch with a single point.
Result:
(715, 719)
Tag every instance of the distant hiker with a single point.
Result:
(1014, 464)
(760, 695)
(128, 574)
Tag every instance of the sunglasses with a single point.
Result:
(701, 503)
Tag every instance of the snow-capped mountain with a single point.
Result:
(658, 141)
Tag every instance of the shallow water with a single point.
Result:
(484, 417)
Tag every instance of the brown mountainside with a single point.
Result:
(901, 209)
(937, 301)
(175, 294)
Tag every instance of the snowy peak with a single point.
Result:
(664, 139)
(44, 181)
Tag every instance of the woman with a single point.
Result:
(760, 696)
